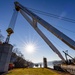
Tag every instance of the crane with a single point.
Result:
(33, 19)
(66, 54)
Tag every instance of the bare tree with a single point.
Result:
(18, 59)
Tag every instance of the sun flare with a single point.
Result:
(30, 48)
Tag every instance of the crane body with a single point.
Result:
(33, 23)
(36, 19)
(49, 27)
(33, 19)
(68, 55)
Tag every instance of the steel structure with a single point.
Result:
(33, 19)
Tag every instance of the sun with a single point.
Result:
(30, 48)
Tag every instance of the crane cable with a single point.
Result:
(53, 15)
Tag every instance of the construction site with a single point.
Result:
(6, 48)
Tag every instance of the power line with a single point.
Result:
(53, 15)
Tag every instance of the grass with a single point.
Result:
(32, 71)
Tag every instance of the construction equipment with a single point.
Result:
(36, 19)
(72, 60)
(33, 19)
(10, 29)
(66, 52)
(26, 13)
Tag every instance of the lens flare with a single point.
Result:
(30, 48)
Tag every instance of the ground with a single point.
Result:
(34, 71)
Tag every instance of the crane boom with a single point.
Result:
(36, 19)
(33, 23)
(41, 34)
(68, 55)
(49, 27)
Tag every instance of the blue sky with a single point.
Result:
(24, 33)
